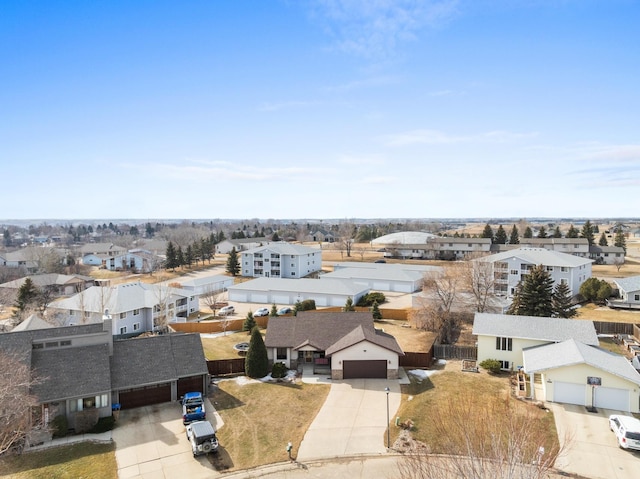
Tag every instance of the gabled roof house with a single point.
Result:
(346, 343)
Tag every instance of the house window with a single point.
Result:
(563, 281)
(123, 330)
(71, 312)
(504, 364)
(87, 314)
(504, 344)
(37, 346)
(90, 402)
(636, 297)
(136, 326)
(564, 269)
(66, 342)
(281, 353)
(136, 312)
(52, 344)
(514, 271)
(549, 268)
(123, 315)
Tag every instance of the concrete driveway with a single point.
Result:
(592, 449)
(151, 443)
(352, 421)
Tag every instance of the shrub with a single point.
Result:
(59, 426)
(375, 311)
(279, 370)
(370, 298)
(104, 424)
(491, 365)
(307, 305)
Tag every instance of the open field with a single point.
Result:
(603, 313)
(85, 460)
(262, 418)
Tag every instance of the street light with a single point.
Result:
(388, 428)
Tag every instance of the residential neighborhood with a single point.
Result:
(147, 336)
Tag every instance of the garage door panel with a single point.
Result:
(190, 384)
(376, 369)
(144, 396)
(569, 393)
(612, 398)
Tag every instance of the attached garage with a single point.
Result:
(569, 393)
(365, 369)
(612, 398)
(145, 396)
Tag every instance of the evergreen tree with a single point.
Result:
(275, 237)
(375, 311)
(563, 302)
(274, 311)
(297, 307)
(603, 240)
(514, 236)
(501, 236)
(249, 322)
(594, 289)
(587, 232)
(516, 301)
(180, 256)
(256, 364)
(189, 256)
(596, 229)
(172, 257)
(27, 296)
(487, 232)
(542, 232)
(348, 306)
(536, 295)
(620, 240)
(573, 232)
(528, 233)
(6, 237)
(233, 264)
(557, 233)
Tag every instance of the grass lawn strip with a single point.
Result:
(261, 418)
(77, 461)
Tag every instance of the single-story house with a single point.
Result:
(346, 343)
(242, 244)
(628, 293)
(82, 368)
(504, 337)
(572, 372)
(402, 278)
(283, 291)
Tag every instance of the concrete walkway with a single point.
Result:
(352, 421)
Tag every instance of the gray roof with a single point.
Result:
(632, 283)
(206, 280)
(32, 322)
(325, 330)
(572, 352)
(284, 248)
(391, 274)
(101, 248)
(47, 279)
(539, 256)
(71, 372)
(605, 249)
(336, 286)
(533, 327)
(387, 267)
(119, 298)
(156, 359)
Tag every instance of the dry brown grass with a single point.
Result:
(222, 346)
(602, 313)
(261, 418)
(409, 339)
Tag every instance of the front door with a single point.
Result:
(308, 357)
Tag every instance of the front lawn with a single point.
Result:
(454, 400)
(261, 418)
(221, 347)
(77, 461)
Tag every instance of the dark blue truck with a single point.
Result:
(193, 408)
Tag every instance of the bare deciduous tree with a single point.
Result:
(16, 401)
(480, 281)
(161, 313)
(211, 298)
(440, 291)
(346, 234)
(619, 263)
(510, 443)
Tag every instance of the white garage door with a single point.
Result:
(259, 298)
(612, 398)
(569, 393)
(281, 299)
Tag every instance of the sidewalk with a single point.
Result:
(103, 437)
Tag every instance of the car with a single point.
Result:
(285, 310)
(202, 437)
(226, 311)
(379, 261)
(261, 312)
(627, 431)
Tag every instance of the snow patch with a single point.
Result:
(421, 374)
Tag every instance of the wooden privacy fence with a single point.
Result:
(216, 326)
(387, 313)
(451, 351)
(221, 367)
(416, 360)
(604, 327)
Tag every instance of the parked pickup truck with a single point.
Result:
(193, 408)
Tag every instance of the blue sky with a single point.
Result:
(319, 109)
